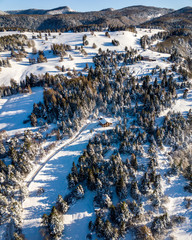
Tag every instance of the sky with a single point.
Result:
(89, 5)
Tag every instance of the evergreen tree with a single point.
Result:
(61, 205)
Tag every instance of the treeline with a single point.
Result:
(163, 35)
(82, 28)
(65, 100)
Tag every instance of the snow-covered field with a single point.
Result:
(51, 176)
(15, 109)
(19, 70)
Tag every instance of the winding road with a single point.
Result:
(41, 165)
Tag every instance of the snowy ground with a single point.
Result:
(19, 70)
(52, 175)
(173, 188)
(15, 109)
(53, 178)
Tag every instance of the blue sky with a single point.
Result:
(88, 5)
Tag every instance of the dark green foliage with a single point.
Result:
(53, 223)
(160, 223)
(61, 205)
(134, 161)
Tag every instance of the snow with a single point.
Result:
(173, 188)
(78, 217)
(3, 13)
(50, 172)
(61, 11)
(104, 120)
(15, 109)
(182, 105)
(19, 70)
(53, 178)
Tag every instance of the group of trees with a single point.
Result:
(67, 101)
(14, 42)
(60, 49)
(22, 151)
(111, 89)
(178, 135)
(114, 90)
(5, 63)
(115, 42)
(85, 41)
(96, 173)
(113, 59)
(176, 42)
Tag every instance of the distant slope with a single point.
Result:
(3, 13)
(181, 18)
(55, 11)
(46, 19)
(60, 10)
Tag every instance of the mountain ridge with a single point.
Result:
(66, 18)
(181, 18)
(32, 11)
(35, 19)
(3, 13)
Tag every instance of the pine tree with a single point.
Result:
(122, 230)
(121, 188)
(99, 226)
(79, 192)
(134, 161)
(55, 224)
(135, 194)
(91, 183)
(2, 148)
(33, 119)
(61, 205)
(108, 230)
(124, 212)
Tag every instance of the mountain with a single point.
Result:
(64, 17)
(55, 11)
(181, 18)
(3, 13)
(108, 9)
(60, 10)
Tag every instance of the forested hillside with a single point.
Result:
(95, 125)
(43, 20)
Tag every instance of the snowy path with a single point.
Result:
(52, 177)
(39, 166)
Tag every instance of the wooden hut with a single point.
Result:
(104, 123)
